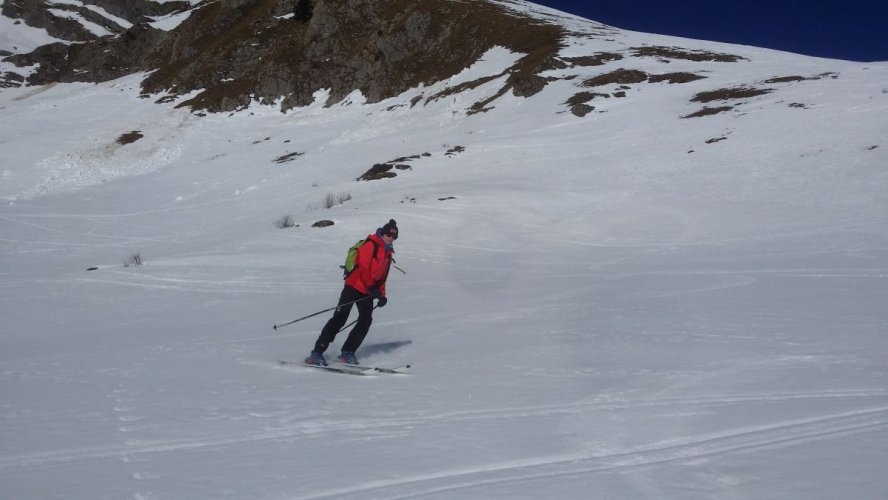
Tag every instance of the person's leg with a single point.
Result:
(365, 318)
(340, 316)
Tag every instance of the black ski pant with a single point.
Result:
(340, 316)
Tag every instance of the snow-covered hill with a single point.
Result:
(609, 294)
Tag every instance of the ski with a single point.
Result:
(399, 370)
(337, 368)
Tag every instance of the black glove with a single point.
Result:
(375, 292)
(382, 302)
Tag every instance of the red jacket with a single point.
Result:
(370, 270)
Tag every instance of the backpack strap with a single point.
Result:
(345, 273)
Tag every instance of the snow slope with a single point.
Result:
(625, 305)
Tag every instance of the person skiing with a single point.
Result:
(366, 281)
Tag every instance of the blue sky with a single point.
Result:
(853, 30)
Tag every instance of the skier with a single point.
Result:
(366, 281)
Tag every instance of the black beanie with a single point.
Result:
(391, 228)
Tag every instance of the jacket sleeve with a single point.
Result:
(382, 288)
(379, 269)
(384, 263)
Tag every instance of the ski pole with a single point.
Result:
(275, 327)
(398, 268)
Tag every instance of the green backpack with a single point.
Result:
(349, 265)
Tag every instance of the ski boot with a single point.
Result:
(316, 358)
(347, 358)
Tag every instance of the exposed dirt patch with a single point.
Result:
(129, 137)
(717, 139)
(676, 78)
(620, 76)
(410, 158)
(581, 109)
(797, 78)
(584, 97)
(668, 53)
(463, 87)
(598, 59)
(727, 94)
(288, 157)
(707, 111)
(323, 223)
(455, 150)
(384, 170)
(480, 107)
(787, 79)
(529, 85)
(579, 102)
(377, 172)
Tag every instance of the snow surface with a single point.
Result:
(18, 37)
(107, 15)
(613, 306)
(170, 22)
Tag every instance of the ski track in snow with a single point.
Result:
(692, 446)
(234, 287)
(784, 434)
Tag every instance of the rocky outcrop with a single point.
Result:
(241, 51)
(101, 60)
(380, 48)
(52, 18)
(139, 11)
(35, 13)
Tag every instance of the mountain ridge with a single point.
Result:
(228, 54)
